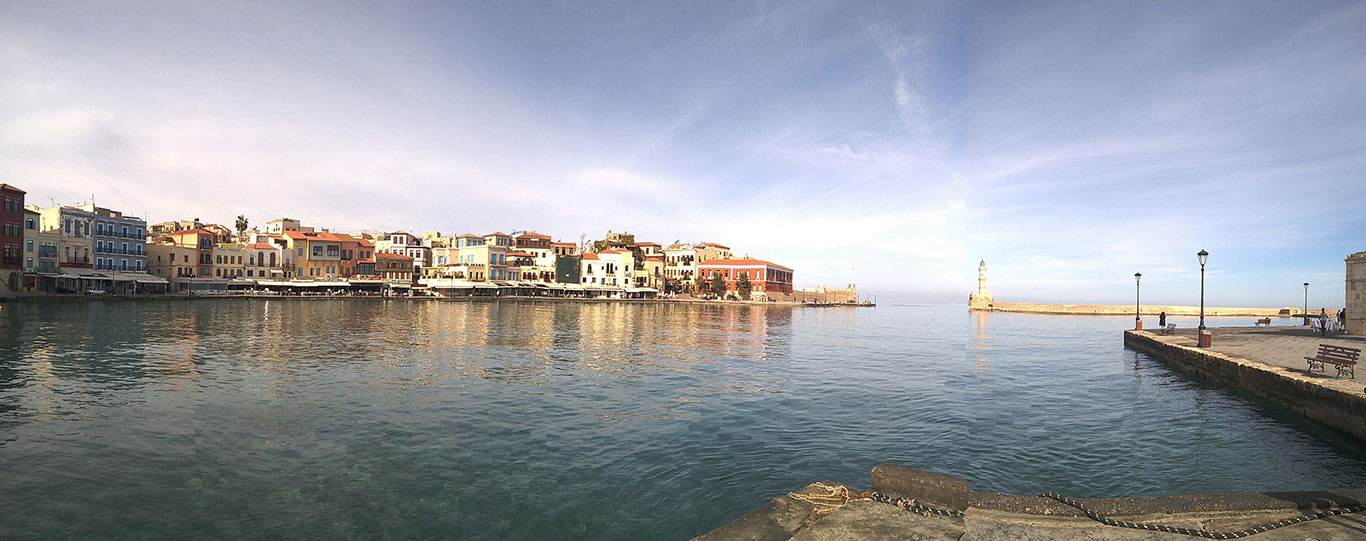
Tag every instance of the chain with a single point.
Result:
(1203, 533)
(912, 505)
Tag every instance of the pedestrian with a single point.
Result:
(1342, 317)
(1323, 322)
(1162, 320)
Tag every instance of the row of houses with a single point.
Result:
(83, 248)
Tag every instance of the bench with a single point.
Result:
(1168, 329)
(1264, 322)
(1344, 358)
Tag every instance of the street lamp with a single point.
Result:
(1138, 323)
(1203, 255)
(1305, 313)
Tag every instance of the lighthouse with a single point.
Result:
(980, 299)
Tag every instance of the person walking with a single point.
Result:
(1323, 322)
(1162, 320)
(1342, 317)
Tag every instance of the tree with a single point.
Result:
(241, 226)
(718, 284)
(742, 286)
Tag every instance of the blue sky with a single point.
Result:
(892, 143)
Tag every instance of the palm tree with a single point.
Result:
(241, 226)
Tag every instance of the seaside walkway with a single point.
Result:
(1284, 347)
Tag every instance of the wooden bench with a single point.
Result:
(1344, 358)
(1264, 322)
(1168, 329)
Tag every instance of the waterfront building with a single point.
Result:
(280, 226)
(766, 279)
(607, 268)
(562, 249)
(542, 257)
(477, 250)
(317, 254)
(229, 260)
(76, 231)
(161, 229)
(396, 270)
(407, 244)
(649, 249)
(569, 269)
(202, 241)
(40, 253)
(680, 262)
(12, 239)
(261, 258)
(120, 241)
(649, 272)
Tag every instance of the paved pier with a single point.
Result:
(982, 516)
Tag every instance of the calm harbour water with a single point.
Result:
(556, 420)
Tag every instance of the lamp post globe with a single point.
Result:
(1204, 256)
(1138, 321)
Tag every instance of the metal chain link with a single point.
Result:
(912, 505)
(1203, 533)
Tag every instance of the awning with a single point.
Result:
(485, 286)
(150, 281)
(67, 276)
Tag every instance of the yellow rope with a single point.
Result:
(823, 504)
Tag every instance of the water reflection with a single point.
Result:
(364, 417)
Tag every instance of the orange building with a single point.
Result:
(202, 241)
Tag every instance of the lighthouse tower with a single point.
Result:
(980, 299)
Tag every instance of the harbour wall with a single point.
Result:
(1343, 410)
(1128, 310)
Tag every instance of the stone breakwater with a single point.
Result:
(1276, 370)
(1128, 310)
(970, 515)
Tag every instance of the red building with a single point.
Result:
(764, 277)
(12, 240)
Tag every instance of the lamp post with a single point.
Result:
(1138, 322)
(1203, 255)
(1305, 313)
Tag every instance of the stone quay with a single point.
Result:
(1268, 362)
(967, 515)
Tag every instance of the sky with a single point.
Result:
(889, 144)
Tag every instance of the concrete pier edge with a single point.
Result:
(1295, 390)
(989, 515)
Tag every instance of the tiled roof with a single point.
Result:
(740, 263)
(647, 244)
(496, 234)
(715, 245)
(11, 188)
(590, 256)
(261, 246)
(533, 236)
